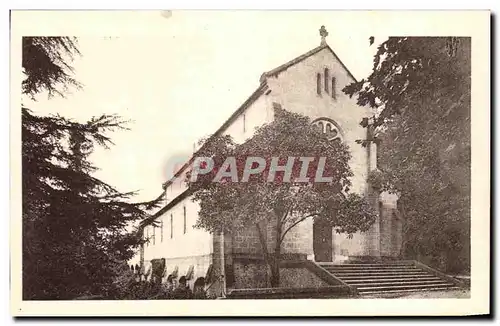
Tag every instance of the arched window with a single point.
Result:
(327, 77)
(334, 82)
(328, 127)
(318, 84)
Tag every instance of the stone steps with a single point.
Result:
(355, 282)
(392, 277)
(370, 268)
(384, 277)
(396, 286)
(396, 283)
(399, 291)
(417, 273)
(387, 270)
(368, 265)
(350, 265)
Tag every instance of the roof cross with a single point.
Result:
(323, 33)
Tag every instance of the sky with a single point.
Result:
(178, 75)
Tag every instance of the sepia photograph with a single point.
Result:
(170, 157)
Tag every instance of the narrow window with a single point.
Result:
(184, 219)
(161, 230)
(244, 123)
(154, 233)
(327, 77)
(334, 95)
(171, 226)
(318, 84)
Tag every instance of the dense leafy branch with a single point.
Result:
(75, 227)
(420, 89)
(230, 205)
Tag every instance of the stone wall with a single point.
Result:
(390, 226)
(297, 241)
(300, 278)
(246, 241)
(250, 274)
(254, 273)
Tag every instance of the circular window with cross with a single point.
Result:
(328, 127)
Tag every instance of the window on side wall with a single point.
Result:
(171, 226)
(161, 230)
(327, 77)
(334, 86)
(185, 229)
(318, 84)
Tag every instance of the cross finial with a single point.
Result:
(324, 33)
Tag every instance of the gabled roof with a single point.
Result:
(276, 71)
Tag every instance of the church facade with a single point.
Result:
(310, 84)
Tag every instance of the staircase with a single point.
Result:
(388, 277)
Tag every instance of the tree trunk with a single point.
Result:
(275, 268)
(263, 244)
(272, 259)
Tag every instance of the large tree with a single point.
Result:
(420, 88)
(74, 225)
(231, 203)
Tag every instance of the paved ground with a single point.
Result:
(451, 294)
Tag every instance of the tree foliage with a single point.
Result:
(420, 88)
(74, 225)
(46, 64)
(230, 205)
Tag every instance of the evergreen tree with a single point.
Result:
(74, 226)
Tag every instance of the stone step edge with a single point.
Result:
(379, 273)
(382, 277)
(360, 285)
(408, 290)
(374, 270)
(353, 282)
(361, 265)
(403, 287)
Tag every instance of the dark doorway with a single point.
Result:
(322, 241)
